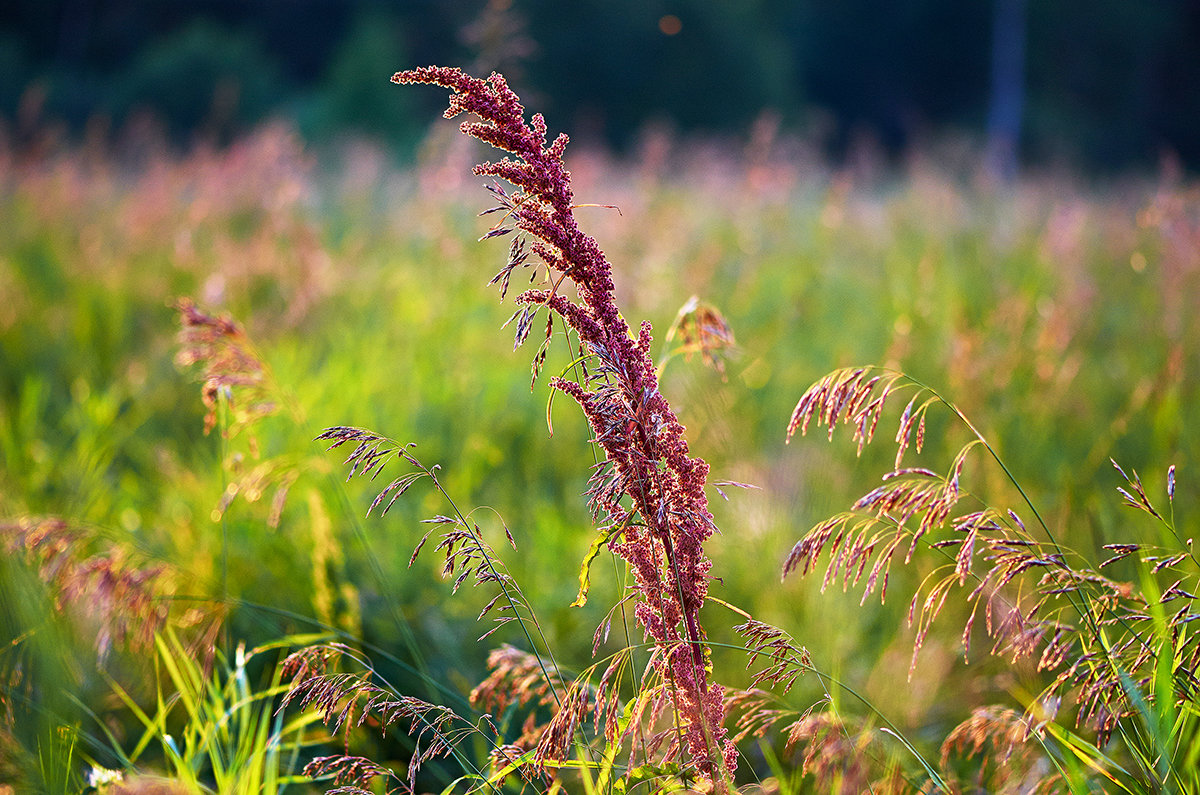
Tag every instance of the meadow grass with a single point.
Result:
(1054, 315)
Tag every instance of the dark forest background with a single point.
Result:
(1102, 84)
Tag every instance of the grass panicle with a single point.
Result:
(228, 362)
(119, 601)
(1094, 635)
(649, 472)
(699, 327)
(349, 699)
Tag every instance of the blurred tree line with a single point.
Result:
(1110, 83)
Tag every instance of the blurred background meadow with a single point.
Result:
(998, 199)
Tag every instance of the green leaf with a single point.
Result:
(585, 568)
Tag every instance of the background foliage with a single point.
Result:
(1107, 83)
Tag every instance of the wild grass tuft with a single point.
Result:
(1119, 655)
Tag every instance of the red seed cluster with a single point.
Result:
(648, 486)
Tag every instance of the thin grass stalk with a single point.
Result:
(512, 602)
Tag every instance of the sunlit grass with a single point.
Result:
(1056, 316)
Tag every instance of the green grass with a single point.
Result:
(1057, 317)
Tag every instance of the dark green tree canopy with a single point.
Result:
(1109, 83)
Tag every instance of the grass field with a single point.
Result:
(1059, 316)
